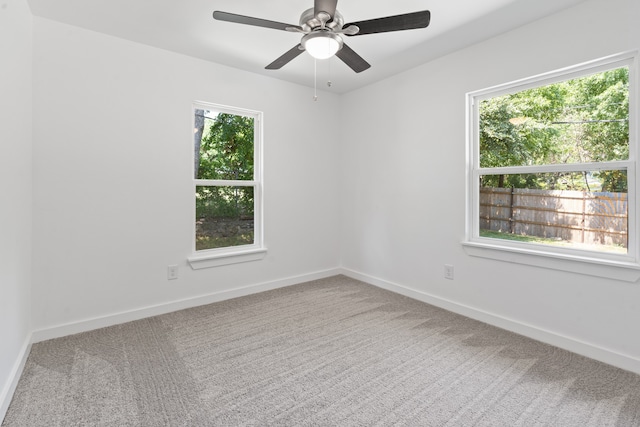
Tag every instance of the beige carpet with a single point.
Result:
(333, 352)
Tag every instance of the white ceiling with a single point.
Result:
(188, 27)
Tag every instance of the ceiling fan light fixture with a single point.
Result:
(322, 44)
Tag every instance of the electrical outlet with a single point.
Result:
(172, 272)
(448, 271)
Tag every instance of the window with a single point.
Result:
(227, 185)
(552, 167)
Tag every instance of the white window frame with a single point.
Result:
(616, 266)
(232, 254)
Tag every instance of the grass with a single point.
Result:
(221, 232)
(207, 242)
(553, 242)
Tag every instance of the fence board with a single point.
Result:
(575, 216)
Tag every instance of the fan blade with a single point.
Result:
(408, 21)
(286, 58)
(352, 59)
(247, 20)
(328, 6)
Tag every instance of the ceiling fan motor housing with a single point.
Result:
(309, 21)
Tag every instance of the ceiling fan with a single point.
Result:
(323, 27)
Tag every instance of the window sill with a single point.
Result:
(611, 269)
(209, 259)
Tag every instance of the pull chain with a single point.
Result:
(315, 79)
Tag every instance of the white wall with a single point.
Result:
(404, 176)
(15, 189)
(112, 176)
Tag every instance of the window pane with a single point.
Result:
(579, 210)
(575, 121)
(224, 216)
(223, 146)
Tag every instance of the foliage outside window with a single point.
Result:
(226, 178)
(552, 163)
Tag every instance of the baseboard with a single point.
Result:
(592, 351)
(12, 382)
(144, 312)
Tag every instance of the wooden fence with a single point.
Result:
(576, 216)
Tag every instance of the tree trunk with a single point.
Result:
(198, 130)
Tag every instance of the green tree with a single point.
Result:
(226, 153)
(515, 130)
(227, 149)
(576, 121)
(596, 123)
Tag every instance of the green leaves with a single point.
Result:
(226, 150)
(571, 122)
